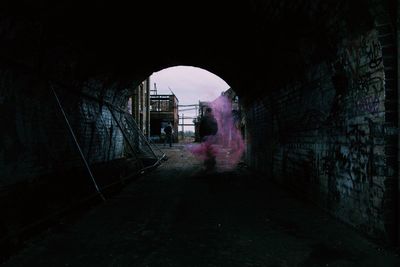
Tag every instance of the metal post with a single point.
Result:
(123, 132)
(77, 144)
(148, 108)
(183, 127)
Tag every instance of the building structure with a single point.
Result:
(203, 105)
(163, 109)
(138, 106)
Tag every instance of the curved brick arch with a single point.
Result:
(278, 55)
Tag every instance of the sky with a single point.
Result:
(190, 85)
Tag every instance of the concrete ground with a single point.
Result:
(179, 215)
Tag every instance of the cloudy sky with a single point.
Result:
(189, 84)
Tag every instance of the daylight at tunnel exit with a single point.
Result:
(258, 133)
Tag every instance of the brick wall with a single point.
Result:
(333, 134)
(35, 138)
(258, 129)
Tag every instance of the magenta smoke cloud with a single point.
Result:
(227, 145)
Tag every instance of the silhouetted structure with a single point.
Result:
(163, 109)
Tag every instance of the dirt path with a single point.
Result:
(179, 216)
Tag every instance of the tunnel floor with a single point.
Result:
(178, 215)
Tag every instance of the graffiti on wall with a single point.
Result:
(362, 61)
(344, 122)
(350, 161)
(368, 104)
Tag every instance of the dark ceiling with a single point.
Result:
(251, 44)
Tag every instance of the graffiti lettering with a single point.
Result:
(373, 53)
(369, 104)
(368, 80)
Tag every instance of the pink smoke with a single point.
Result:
(227, 144)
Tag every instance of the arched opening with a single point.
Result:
(180, 96)
(318, 81)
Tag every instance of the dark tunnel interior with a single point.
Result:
(317, 82)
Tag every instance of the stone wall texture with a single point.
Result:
(332, 136)
(35, 137)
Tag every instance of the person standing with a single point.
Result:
(208, 128)
(168, 134)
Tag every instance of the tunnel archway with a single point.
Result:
(180, 95)
(328, 104)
